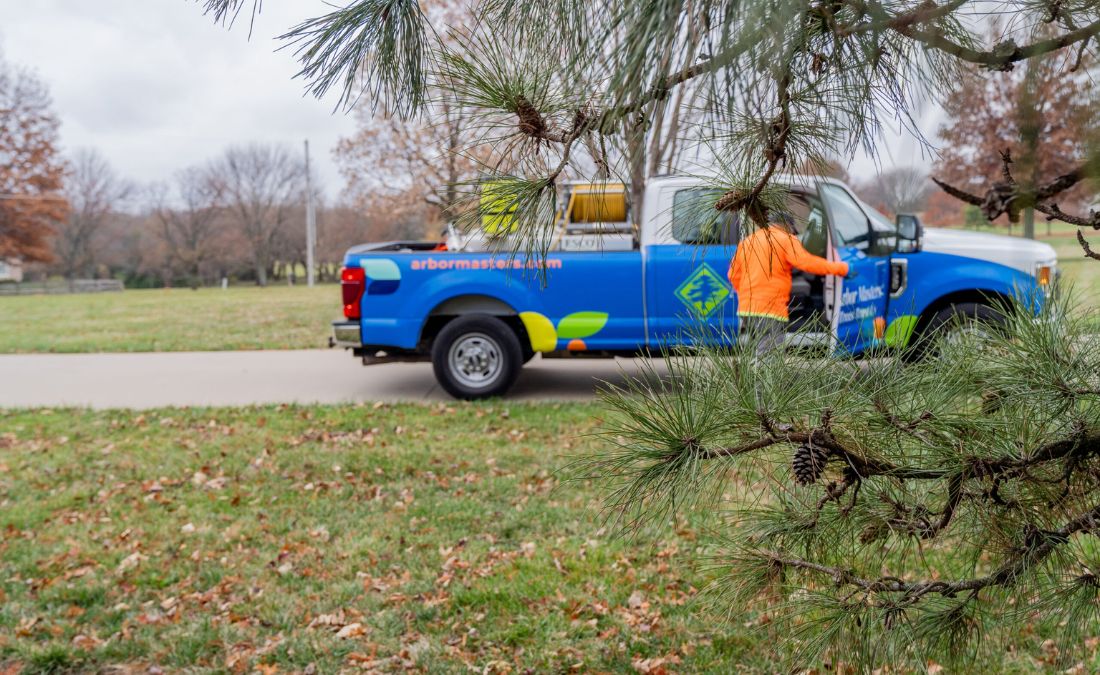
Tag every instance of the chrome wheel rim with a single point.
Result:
(968, 332)
(970, 336)
(475, 360)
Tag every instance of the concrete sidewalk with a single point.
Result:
(150, 380)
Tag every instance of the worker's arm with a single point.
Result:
(799, 257)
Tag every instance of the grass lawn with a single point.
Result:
(178, 319)
(353, 538)
(1081, 272)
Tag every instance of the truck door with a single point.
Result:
(859, 302)
(687, 255)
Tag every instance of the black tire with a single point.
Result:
(950, 319)
(476, 356)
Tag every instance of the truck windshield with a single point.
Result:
(878, 221)
(886, 235)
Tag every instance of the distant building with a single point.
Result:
(11, 269)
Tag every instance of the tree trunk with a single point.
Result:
(1029, 223)
(261, 274)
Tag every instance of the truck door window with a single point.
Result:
(849, 221)
(695, 221)
(809, 222)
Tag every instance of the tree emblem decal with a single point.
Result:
(704, 291)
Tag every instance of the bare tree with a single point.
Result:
(190, 227)
(391, 157)
(133, 249)
(261, 186)
(904, 189)
(94, 192)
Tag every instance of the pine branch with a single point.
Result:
(227, 11)
(1004, 55)
(1037, 547)
(1080, 445)
(1052, 212)
(379, 45)
(911, 427)
(1089, 253)
(957, 193)
(1007, 196)
(775, 151)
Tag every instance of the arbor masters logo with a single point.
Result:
(704, 291)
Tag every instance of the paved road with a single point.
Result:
(242, 378)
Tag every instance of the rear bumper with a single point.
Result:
(346, 334)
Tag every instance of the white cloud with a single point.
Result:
(157, 86)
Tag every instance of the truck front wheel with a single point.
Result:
(476, 356)
(956, 323)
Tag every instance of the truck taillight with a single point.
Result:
(353, 281)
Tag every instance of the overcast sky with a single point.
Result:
(156, 86)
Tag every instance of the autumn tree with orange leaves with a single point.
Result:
(31, 168)
(1039, 115)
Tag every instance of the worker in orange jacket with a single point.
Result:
(760, 272)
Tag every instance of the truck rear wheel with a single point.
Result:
(476, 356)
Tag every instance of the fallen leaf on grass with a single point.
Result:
(335, 620)
(130, 562)
(86, 642)
(351, 630)
(26, 626)
(654, 666)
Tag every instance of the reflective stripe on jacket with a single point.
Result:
(760, 271)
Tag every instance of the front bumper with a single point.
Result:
(346, 334)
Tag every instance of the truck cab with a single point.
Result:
(606, 289)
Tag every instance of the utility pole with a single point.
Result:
(311, 223)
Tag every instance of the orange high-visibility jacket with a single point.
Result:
(760, 271)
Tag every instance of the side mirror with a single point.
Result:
(910, 233)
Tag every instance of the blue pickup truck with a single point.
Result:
(605, 291)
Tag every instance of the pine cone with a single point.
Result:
(530, 121)
(808, 464)
(873, 532)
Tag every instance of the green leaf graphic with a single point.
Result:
(580, 325)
